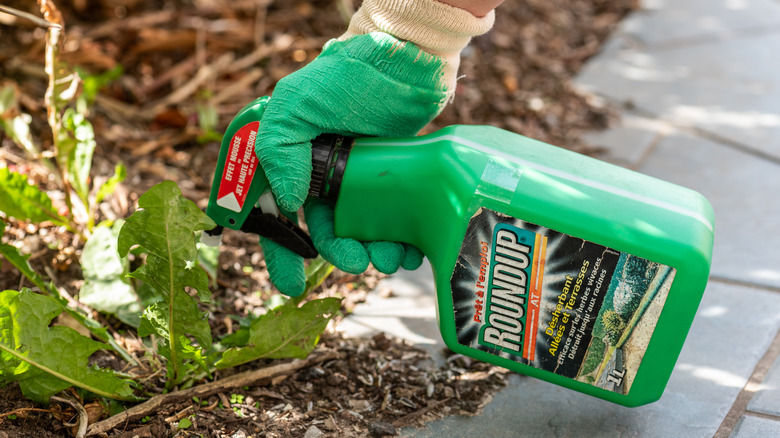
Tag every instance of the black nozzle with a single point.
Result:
(281, 230)
(329, 153)
(216, 231)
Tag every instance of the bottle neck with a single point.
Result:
(400, 190)
(329, 154)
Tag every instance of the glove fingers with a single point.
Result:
(413, 257)
(284, 267)
(349, 255)
(346, 254)
(385, 256)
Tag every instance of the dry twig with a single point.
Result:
(406, 420)
(235, 381)
(21, 14)
(22, 410)
(206, 73)
(83, 418)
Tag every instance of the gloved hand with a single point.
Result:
(366, 83)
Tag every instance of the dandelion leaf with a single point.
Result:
(46, 360)
(165, 227)
(286, 331)
(24, 201)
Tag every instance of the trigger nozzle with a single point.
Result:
(212, 237)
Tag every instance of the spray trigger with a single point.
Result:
(281, 230)
(266, 220)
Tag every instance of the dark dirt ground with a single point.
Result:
(181, 54)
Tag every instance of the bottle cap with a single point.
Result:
(329, 159)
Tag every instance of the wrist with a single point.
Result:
(478, 8)
(435, 27)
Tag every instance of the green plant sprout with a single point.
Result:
(161, 299)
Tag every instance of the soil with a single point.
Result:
(375, 387)
(179, 57)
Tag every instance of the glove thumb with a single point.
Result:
(283, 148)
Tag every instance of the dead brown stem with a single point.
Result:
(83, 418)
(247, 378)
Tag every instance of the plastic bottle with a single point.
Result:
(546, 262)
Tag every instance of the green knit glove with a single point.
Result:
(285, 268)
(368, 85)
(350, 255)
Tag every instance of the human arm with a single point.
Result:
(390, 74)
(479, 8)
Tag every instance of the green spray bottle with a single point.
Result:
(546, 262)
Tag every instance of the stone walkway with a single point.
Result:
(698, 82)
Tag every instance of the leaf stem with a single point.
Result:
(51, 98)
(171, 300)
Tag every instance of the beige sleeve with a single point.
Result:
(435, 27)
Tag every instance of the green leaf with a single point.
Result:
(24, 201)
(318, 270)
(16, 258)
(165, 227)
(284, 332)
(185, 316)
(66, 86)
(15, 123)
(208, 118)
(7, 99)
(120, 173)
(276, 300)
(80, 151)
(315, 273)
(13, 255)
(28, 351)
(146, 294)
(105, 288)
(196, 355)
(208, 259)
(92, 83)
(185, 423)
(240, 337)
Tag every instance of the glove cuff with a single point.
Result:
(436, 28)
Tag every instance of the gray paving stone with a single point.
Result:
(628, 142)
(410, 313)
(732, 330)
(752, 427)
(661, 22)
(743, 192)
(767, 398)
(729, 88)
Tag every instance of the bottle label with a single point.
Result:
(556, 302)
(240, 167)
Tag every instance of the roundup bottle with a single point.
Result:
(546, 262)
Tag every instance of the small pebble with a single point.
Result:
(380, 428)
(313, 432)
